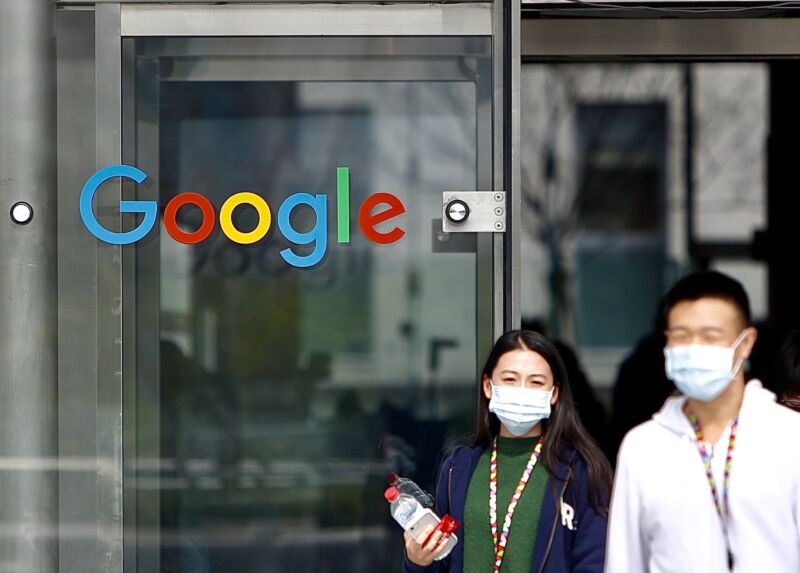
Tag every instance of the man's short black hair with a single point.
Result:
(790, 351)
(707, 284)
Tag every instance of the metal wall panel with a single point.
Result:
(79, 4)
(648, 38)
(308, 20)
(77, 296)
(108, 90)
(28, 290)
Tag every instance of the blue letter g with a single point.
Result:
(149, 208)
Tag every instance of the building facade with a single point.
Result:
(213, 357)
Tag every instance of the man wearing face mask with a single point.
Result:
(712, 482)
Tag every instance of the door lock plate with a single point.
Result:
(474, 211)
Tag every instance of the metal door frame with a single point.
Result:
(497, 288)
(570, 39)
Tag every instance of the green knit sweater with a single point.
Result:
(512, 457)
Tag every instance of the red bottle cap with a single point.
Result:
(448, 525)
(391, 494)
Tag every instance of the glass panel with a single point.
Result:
(619, 226)
(753, 275)
(283, 396)
(605, 149)
(730, 157)
(602, 189)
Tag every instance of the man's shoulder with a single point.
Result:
(779, 417)
(644, 437)
(769, 429)
(771, 415)
(645, 430)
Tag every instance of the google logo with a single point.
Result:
(368, 218)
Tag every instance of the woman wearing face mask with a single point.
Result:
(531, 492)
(712, 482)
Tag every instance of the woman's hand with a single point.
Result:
(424, 555)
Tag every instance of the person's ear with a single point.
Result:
(749, 340)
(554, 398)
(487, 387)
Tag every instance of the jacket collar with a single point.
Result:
(672, 418)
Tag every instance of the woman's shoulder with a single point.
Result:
(464, 452)
(576, 472)
(570, 464)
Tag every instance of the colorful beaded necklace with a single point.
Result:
(500, 543)
(723, 508)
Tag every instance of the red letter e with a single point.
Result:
(367, 220)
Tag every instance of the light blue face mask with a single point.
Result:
(702, 371)
(520, 409)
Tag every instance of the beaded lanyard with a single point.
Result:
(500, 544)
(723, 508)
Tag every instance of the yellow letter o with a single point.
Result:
(226, 218)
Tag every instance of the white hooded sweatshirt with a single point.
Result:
(663, 518)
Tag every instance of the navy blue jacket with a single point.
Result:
(571, 537)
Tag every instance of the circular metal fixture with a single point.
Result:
(21, 213)
(457, 211)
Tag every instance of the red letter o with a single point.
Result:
(171, 213)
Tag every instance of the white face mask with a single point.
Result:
(702, 371)
(520, 409)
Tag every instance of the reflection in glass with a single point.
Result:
(285, 395)
(605, 187)
(606, 149)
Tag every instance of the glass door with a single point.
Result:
(299, 326)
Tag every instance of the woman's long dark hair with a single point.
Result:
(562, 428)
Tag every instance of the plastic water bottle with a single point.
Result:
(408, 487)
(403, 507)
(414, 518)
